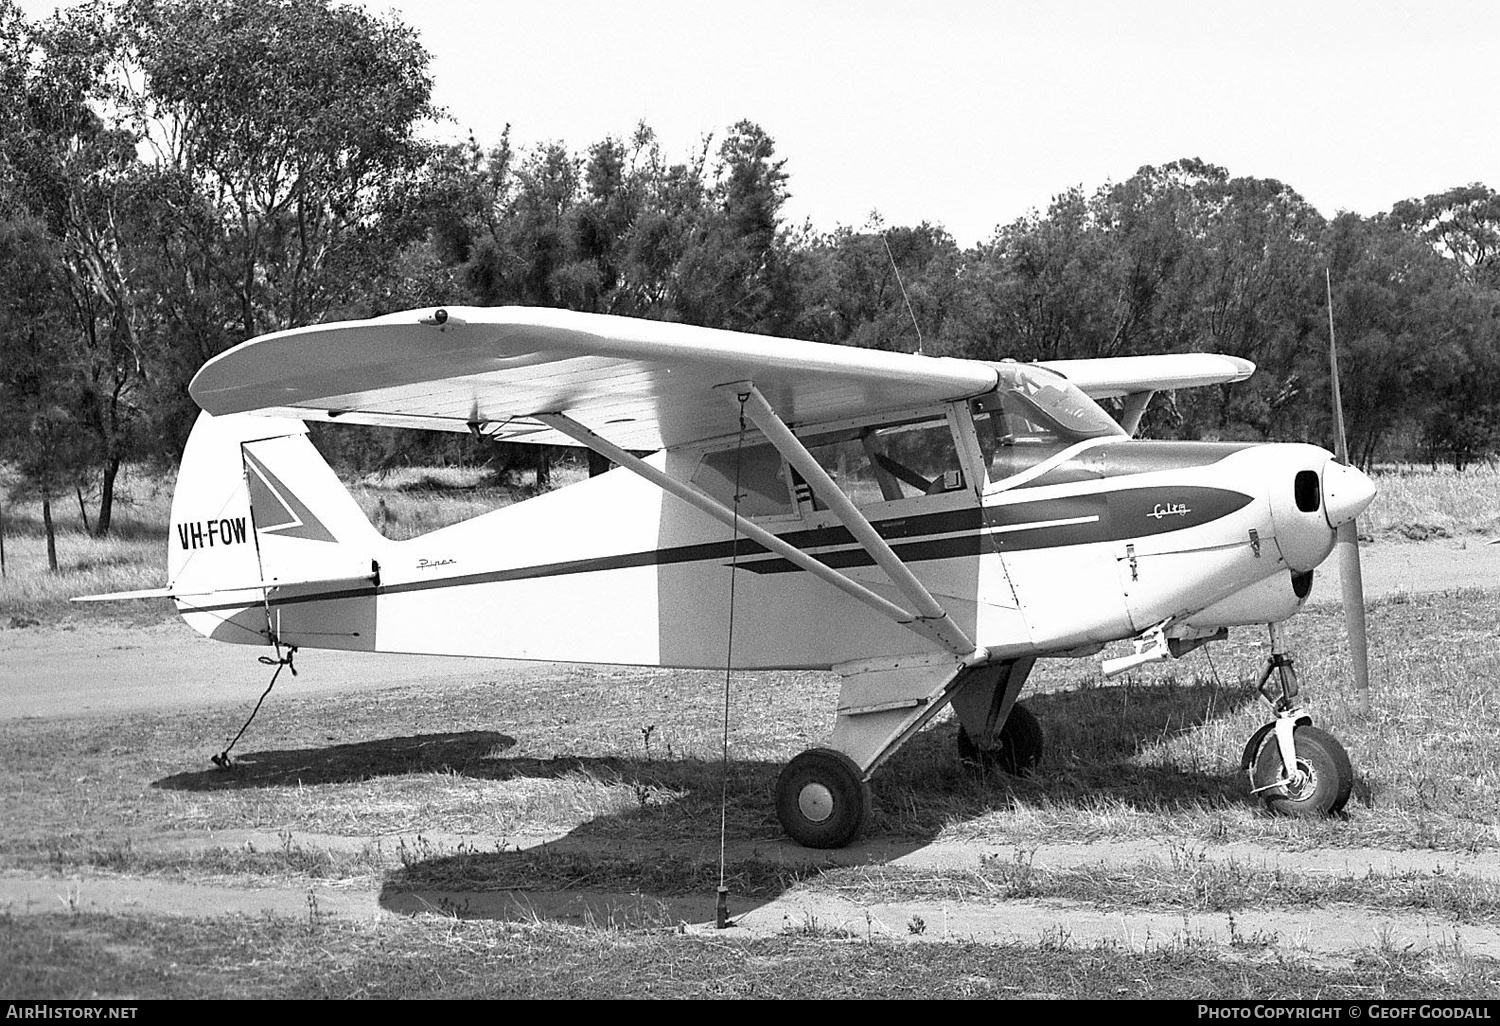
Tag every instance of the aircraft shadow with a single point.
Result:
(656, 865)
(468, 753)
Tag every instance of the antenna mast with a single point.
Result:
(904, 298)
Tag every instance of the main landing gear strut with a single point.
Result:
(1295, 768)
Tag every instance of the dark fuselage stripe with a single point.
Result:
(1011, 527)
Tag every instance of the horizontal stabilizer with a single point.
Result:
(120, 596)
(363, 580)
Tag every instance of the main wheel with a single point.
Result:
(822, 799)
(1017, 748)
(1323, 780)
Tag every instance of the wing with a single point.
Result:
(1111, 377)
(642, 384)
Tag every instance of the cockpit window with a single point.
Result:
(891, 461)
(762, 479)
(1031, 417)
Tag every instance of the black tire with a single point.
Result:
(822, 799)
(1326, 775)
(1017, 749)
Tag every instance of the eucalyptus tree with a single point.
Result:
(1462, 224)
(1039, 290)
(1251, 287)
(1175, 258)
(294, 124)
(40, 438)
(68, 165)
(1458, 375)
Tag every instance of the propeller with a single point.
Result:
(1347, 536)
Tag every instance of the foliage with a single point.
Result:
(69, 177)
(205, 172)
(295, 121)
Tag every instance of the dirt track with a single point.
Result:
(1323, 932)
(98, 669)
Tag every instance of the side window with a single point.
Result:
(762, 478)
(890, 462)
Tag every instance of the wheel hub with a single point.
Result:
(816, 802)
(1301, 783)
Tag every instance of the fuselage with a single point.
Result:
(611, 570)
(1095, 541)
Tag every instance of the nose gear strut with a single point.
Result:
(1302, 771)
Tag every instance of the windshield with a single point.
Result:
(1032, 416)
(1058, 401)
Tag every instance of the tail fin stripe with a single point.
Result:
(277, 508)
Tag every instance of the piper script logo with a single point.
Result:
(1169, 509)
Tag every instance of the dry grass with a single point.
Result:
(1157, 753)
(625, 762)
(628, 758)
(1418, 503)
(411, 501)
(1187, 879)
(133, 957)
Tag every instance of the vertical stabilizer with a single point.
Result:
(256, 506)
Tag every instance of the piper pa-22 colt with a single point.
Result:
(925, 527)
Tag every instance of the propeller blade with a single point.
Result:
(1353, 583)
(1351, 577)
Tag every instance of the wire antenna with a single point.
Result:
(721, 917)
(904, 297)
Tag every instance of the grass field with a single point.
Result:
(627, 761)
(138, 957)
(629, 754)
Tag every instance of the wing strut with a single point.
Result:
(926, 627)
(786, 443)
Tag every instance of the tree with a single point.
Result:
(74, 173)
(1249, 288)
(40, 435)
(1458, 375)
(1462, 224)
(732, 271)
(885, 288)
(293, 122)
(1038, 291)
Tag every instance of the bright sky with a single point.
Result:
(968, 113)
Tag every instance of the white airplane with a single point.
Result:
(925, 527)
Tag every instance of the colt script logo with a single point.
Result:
(1169, 509)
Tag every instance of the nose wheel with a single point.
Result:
(1295, 768)
(822, 799)
(1319, 782)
